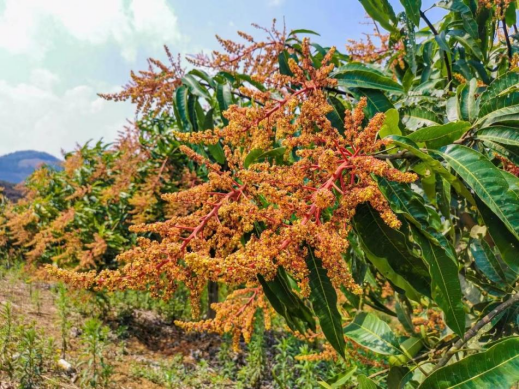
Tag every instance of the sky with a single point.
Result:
(56, 55)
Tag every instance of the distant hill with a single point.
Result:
(16, 167)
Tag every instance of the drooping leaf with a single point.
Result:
(181, 100)
(292, 308)
(487, 181)
(438, 136)
(324, 301)
(224, 97)
(403, 200)
(336, 116)
(498, 368)
(369, 331)
(446, 288)
(382, 12)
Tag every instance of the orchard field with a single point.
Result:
(283, 214)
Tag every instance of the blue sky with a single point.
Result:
(56, 55)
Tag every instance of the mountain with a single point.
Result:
(16, 167)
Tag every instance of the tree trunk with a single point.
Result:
(212, 297)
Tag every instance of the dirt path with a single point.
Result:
(149, 340)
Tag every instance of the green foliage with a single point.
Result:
(97, 369)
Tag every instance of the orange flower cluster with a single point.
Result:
(501, 6)
(236, 315)
(367, 51)
(253, 216)
(432, 321)
(256, 58)
(151, 89)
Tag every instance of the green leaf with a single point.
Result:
(252, 157)
(377, 100)
(303, 31)
(336, 116)
(403, 200)
(366, 79)
(395, 377)
(289, 305)
(434, 165)
(438, 136)
(500, 134)
(366, 383)
(390, 126)
(181, 99)
(498, 87)
(466, 15)
(277, 152)
(509, 152)
(446, 288)
(371, 332)
(412, 9)
(224, 97)
(498, 367)
(415, 118)
(393, 246)
(487, 262)
(283, 63)
(468, 105)
(340, 380)
(487, 181)
(468, 42)
(502, 115)
(506, 242)
(217, 153)
(324, 302)
(382, 12)
(195, 87)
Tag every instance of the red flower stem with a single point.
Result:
(204, 220)
(314, 210)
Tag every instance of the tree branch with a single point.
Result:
(475, 329)
(508, 44)
(445, 55)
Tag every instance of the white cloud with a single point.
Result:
(33, 116)
(275, 3)
(26, 26)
